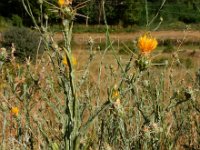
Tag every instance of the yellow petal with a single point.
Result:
(147, 44)
(15, 111)
(61, 2)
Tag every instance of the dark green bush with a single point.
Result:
(17, 21)
(25, 40)
(179, 25)
(4, 22)
(188, 63)
(169, 47)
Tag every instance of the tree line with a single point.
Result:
(118, 12)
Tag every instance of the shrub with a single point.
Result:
(4, 22)
(169, 47)
(25, 40)
(188, 63)
(177, 25)
(17, 21)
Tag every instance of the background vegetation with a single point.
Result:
(118, 12)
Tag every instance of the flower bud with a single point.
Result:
(142, 63)
(145, 83)
(46, 16)
(40, 2)
(4, 106)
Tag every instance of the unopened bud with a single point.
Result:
(40, 1)
(46, 16)
(4, 106)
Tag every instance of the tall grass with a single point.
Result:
(126, 104)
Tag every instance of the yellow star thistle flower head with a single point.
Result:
(64, 61)
(62, 3)
(115, 94)
(15, 111)
(74, 61)
(147, 44)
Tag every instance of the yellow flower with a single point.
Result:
(115, 94)
(64, 61)
(74, 61)
(62, 3)
(15, 111)
(147, 44)
(146, 129)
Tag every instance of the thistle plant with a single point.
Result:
(70, 117)
(124, 102)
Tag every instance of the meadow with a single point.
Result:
(101, 91)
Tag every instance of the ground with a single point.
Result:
(82, 38)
